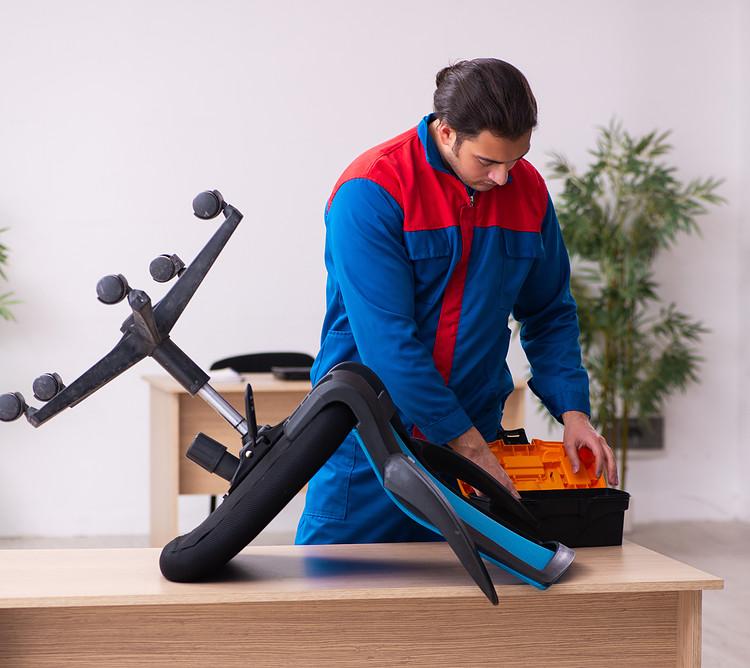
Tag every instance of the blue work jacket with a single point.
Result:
(423, 274)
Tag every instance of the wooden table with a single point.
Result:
(347, 605)
(177, 417)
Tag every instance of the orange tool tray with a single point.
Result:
(541, 465)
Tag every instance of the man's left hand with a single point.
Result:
(580, 433)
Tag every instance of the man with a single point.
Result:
(432, 240)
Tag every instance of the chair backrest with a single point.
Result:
(351, 395)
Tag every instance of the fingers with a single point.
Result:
(599, 455)
(498, 472)
(572, 450)
(506, 482)
(610, 462)
(472, 446)
(604, 459)
(580, 433)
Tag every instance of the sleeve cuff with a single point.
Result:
(559, 403)
(447, 428)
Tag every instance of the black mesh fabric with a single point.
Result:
(266, 490)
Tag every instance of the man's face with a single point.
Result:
(484, 161)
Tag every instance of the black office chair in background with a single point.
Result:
(285, 364)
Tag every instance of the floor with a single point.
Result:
(722, 549)
(719, 548)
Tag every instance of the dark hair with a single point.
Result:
(484, 94)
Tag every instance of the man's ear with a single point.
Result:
(446, 135)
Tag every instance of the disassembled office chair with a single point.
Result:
(275, 462)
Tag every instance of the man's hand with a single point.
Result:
(579, 433)
(471, 445)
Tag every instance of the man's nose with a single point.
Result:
(499, 174)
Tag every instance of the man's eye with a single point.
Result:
(484, 163)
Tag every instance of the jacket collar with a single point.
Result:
(431, 153)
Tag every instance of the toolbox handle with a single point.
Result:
(512, 436)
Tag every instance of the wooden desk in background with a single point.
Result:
(176, 419)
(347, 605)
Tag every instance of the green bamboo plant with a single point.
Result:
(6, 299)
(616, 217)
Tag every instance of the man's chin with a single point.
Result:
(483, 187)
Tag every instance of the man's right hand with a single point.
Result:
(471, 445)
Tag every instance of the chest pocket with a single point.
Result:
(433, 254)
(521, 250)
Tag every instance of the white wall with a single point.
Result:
(115, 114)
(744, 245)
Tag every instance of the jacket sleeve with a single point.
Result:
(549, 327)
(368, 259)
